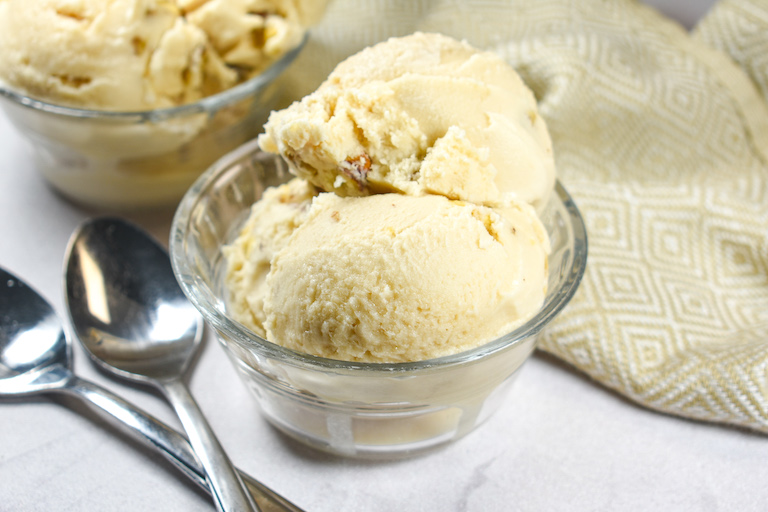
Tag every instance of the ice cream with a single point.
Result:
(386, 277)
(411, 231)
(423, 114)
(129, 55)
(270, 224)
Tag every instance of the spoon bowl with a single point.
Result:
(129, 313)
(30, 336)
(125, 303)
(33, 345)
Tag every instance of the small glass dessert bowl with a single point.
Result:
(364, 410)
(146, 159)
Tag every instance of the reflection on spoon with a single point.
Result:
(131, 316)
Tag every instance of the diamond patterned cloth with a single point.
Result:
(661, 136)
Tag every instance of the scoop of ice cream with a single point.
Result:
(271, 222)
(388, 277)
(139, 54)
(422, 114)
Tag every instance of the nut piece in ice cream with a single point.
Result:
(130, 55)
(422, 114)
(388, 277)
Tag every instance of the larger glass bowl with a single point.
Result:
(140, 160)
(355, 409)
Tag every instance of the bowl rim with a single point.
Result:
(210, 103)
(248, 339)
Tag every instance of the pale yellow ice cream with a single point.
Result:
(384, 278)
(130, 55)
(411, 232)
(423, 114)
(272, 221)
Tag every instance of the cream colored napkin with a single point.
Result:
(662, 139)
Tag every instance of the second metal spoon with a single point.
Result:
(131, 316)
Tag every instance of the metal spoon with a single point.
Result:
(131, 316)
(35, 358)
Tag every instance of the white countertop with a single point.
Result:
(559, 442)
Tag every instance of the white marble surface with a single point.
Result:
(560, 442)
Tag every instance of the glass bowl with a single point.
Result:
(365, 410)
(141, 160)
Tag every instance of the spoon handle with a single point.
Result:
(167, 441)
(228, 490)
